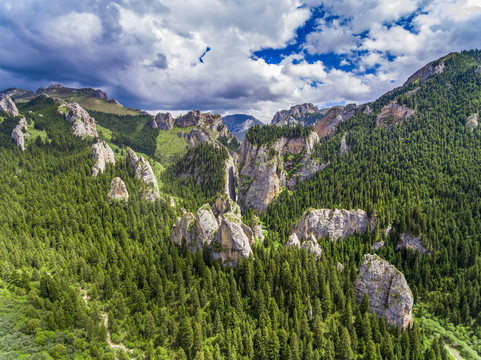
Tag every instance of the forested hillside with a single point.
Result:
(83, 276)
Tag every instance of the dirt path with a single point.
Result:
(453, 352)
(105, 318)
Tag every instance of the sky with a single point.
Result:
(230, 56)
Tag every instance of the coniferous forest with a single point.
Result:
(85, 277)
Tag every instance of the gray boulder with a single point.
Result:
(102, 154)
(389, 294)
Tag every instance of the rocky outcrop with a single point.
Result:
(389, 294)
(196, 136)
(144, 171)
(367, 110)
(344, 147)
(393, 114)
(19, 133)
(414, 243)
(118, 191)
(329, 123)
(333, 223)
(472, 121)
(162, 121)
(230, 177)
(310, 245)
(297, 114)
(82, 123)
(102, 154)
(377, 245)
(219, 228)
(263, 170)
(196, 118)
(423, 74)
(7, 105)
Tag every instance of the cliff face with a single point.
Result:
(389, 294)
(328, 124)
(7, 105)
(264, 169)
(103, 154)
(334, 223)
(82, 123)
(118, 191)
(394, 114)
(19, 133)
(220, 228)
(162, 121)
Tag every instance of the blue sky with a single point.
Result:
(230, 56)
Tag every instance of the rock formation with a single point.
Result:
(389, 294)
(19, 133)
(377, 245)
(472, 121)
(367, 110)
(102, 154)
(118, 191)
(333, 223)
(344, 147)
(82, 123)
(414, 243)
(393, 114)
(144, 171)
(310, 245)
(220, 228)
(162, 121)
(297, 114)
(196, 136)
(7, 105)
(328, 124)
(195, 118)
(263, 169)
(230, 177)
